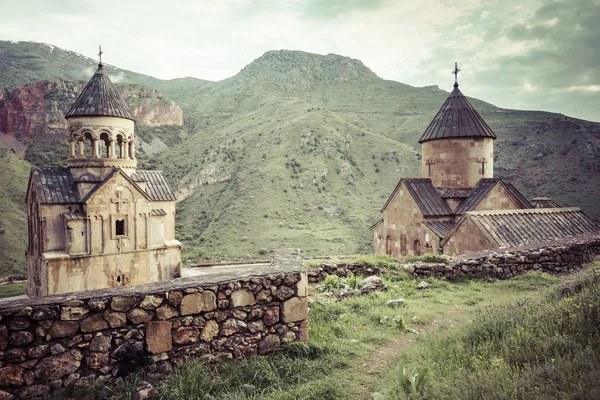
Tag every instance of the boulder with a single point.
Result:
(422, 285)
(395, 303)
(55, 367)
(158, 337)
(144, 391)
(371, 284)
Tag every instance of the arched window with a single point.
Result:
(388, 245)
(120, 146)
(87, 145)
(417, 247)
(104, 145)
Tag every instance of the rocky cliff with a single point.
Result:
(38, 108)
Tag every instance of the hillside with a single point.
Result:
(302, 150)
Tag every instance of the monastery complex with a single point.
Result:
(458, 206)
(99, 222)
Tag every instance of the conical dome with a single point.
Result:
(457, 118)
(99, 98)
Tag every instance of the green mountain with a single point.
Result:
(302, 150)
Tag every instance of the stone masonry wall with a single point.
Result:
(64, 341)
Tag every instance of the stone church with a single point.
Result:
(99, 222)
(458, 206)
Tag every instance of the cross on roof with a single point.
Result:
(100, 52)
(455, 73)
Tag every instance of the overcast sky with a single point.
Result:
(525, 54)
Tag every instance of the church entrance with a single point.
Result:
(388, 245)
(417, 247)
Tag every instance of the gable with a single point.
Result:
(424, 194)
(497, 198)
(493, 194)
(117, 178)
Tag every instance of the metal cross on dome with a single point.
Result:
(455, 73)
(100, 52)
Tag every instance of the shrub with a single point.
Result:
(263, 252)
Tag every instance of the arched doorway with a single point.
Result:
(417, 247)
(388, 245)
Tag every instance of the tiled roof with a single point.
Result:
(72, 215)
(99, 98)
(54, 185)
(88, 178)
(157, 212)
(455, 194)
(457, 118)
(440, 228)
(483, 188)
(157, 186)
(514, 228)
(544, 202)
(376, 224)
(425, 195)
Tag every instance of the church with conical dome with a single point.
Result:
(100, 222)
(457, 206)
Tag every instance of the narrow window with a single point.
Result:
(120, 227)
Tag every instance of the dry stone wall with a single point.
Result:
(65, 341)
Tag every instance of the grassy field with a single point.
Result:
(13, 289)
(476, 337)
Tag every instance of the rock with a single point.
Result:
(231, 326)
(3, 337)
(151, 302)
(97, 304)
(18, 324)
(263, 296)
(15, 355)
(174, 298)
(371, 284)
(302, 286)
(55, 367)
(73, 313)
(210, 330)
(196, 303)
(34, 391)
(268, 344)
(186, 335)
(115, 319)
(94, 323)
(303, 331)
(395, 303)
(422, 285)
(70, 380)
(256, 326)
(11, 375)
(271, 316)
(62, 329)
(242, 298)
(158, 337)
(128, 350)
(294, 309)
(122, 303)
(96, 360)
(166, 312)
(144, 391)
(20, 338)
(139, 316)
(289, 336)
(44, 312)
(354, 341)
(284, 292)
(6, 396)
(57, 348)
(101, 343)
(39, 351)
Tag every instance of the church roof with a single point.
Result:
(99, 98)
(59, 186)
(455, 194)
(457, 118)
(544, 202)
(515, 228)
(426, 196)
(483, 188)
(440, 228)
(157, 186)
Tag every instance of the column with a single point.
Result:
(72, 149)
(125, 152)
(81, 149)
(94, 148)
(132, 149)
(111, 149)
(121, 150)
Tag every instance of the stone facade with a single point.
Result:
(458, 163)
(57, 341)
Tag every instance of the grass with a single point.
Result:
(426, 258)
(547, 347)
(13, 289)
(345, 335)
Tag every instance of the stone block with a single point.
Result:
(39, 351)
(242, 298)
(3, 338)
(19, 324)
(166, 312)
(232, 326)
(100, 343)
(55, 367)
(302, 286)
(73, 313)
(303, 332)
(210, 330)
(43, 313)
(11, 375)
(174, 298)
(34, 392)
(94, 323)
(196, 303)
(158, 337)
(62, 329)
(122, 303)
(97, 360)
(115, 319)
(186, 335)
(268, 344)
(151, 302)
(20, 338)
(6, 396)
(139, 316)
(294, 309)
(271, 316)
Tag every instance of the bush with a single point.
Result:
(263, 252)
